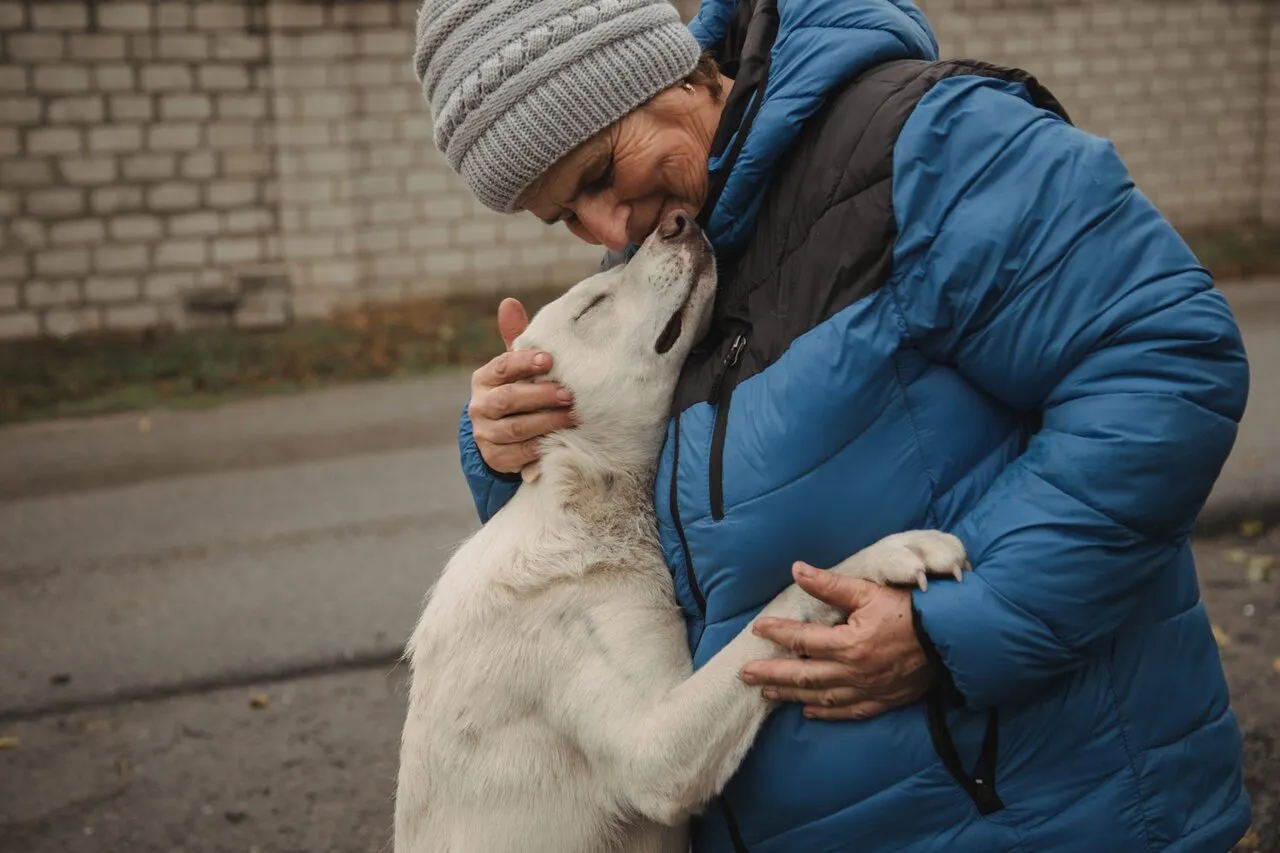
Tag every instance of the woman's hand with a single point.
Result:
(509, 416)
(871, 664)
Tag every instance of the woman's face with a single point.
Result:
(615, 188)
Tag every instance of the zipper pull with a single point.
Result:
(730, 362)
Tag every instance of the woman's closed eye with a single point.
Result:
(600, 182)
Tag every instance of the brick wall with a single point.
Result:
(188, 162)
(1178, 85)
(191, 162)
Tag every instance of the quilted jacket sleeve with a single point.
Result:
(1029, 261)
(489, 489)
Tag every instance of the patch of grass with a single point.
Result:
(112, 373)
(1238, 252)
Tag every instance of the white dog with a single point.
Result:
(553, 707)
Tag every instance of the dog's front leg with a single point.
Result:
(690, 743)
(684, 749)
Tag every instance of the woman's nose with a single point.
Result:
(607, 223)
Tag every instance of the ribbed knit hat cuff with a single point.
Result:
(568, 108)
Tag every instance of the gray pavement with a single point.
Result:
(156, 571)
(219, 577)
(76, 454)
(312, 772)
(245, 542)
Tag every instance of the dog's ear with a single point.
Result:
(531, 472)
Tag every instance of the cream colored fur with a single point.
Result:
(553, 707)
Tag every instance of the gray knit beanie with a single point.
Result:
(515, 85)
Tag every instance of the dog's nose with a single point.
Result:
(673, 224)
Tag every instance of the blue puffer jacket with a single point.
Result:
(947, 307)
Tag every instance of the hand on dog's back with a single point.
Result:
(508, 416)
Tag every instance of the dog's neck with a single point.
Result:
(601, 476)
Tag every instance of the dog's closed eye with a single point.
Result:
(592, 304)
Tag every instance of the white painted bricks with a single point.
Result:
(148, 148)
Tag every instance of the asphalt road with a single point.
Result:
(313, 771)
(158, 572)
(195, 577)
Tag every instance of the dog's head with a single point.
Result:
(619, 338)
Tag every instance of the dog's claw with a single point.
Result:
(923, 580)
(958, 574)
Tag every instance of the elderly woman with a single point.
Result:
(940, 305)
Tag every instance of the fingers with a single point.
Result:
(827, 699)
(840, 591)
(796, 675)
(508, 416)
(516, 399)
(512, 321)
(510, 458)
(855, 711)
(511, 367)
(802, 638)
(519, 429)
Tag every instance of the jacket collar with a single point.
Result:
(786, 57)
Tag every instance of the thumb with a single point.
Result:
(512, 320)
(840, 591)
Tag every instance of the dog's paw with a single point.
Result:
(909, 558)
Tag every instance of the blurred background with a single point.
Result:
(240, 293)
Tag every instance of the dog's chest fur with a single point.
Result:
(543, 603)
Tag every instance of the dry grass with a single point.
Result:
(105, 373)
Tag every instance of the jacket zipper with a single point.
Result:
(721, 394)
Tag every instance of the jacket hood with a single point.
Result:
(785, 57)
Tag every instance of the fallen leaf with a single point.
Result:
(1252, 528)
(1237, 555)
(1251, 841)
(1260, 568)
(9, 742)
(259, 700)
(1275, 664)
(144, 425)
(1221, 637)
